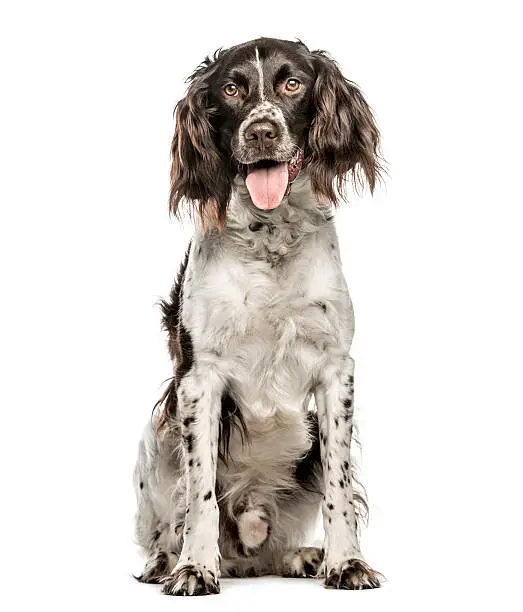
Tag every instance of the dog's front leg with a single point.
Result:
(345, 567)
(199, 401)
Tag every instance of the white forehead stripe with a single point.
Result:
(260, 74)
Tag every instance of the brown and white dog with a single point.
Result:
(254, 430)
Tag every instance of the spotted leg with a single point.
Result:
(344, 565)
(199, 401)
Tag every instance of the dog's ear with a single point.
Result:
(200, 172)
(343, 138)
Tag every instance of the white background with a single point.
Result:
(433, 262)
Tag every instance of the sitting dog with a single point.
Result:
(253, 433)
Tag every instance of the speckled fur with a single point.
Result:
(253, 434)
(270, 320)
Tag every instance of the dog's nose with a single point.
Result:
(262, 133)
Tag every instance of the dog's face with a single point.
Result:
(260, 111)
(262, 94)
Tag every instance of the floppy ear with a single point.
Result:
(200, 172)
(343, 138)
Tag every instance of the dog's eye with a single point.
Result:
(230, 90)
(292, 85)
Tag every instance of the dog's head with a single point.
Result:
(261, 111)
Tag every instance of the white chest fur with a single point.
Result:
(267, 302)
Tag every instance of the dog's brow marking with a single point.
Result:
(259, 68)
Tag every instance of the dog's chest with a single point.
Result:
(267, 286)
(268, 309)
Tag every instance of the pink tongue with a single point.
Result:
(267, 186)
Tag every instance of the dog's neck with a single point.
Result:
(300, 209)
(275, 236)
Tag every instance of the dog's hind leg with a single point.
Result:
(158, 566)
(160, 542)
(162, 550)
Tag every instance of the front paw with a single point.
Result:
(191, 580)
(353, 574)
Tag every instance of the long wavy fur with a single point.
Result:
(343, 139)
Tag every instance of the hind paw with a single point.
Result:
(302, 562)
(157, 567)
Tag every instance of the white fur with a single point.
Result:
(271, 320)
(259, 69)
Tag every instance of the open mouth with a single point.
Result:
(269, 181)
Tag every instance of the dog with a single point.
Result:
(253, 433)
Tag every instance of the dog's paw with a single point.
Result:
(156, 568)
(190, 580)
(353, 574)
(302, 562)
